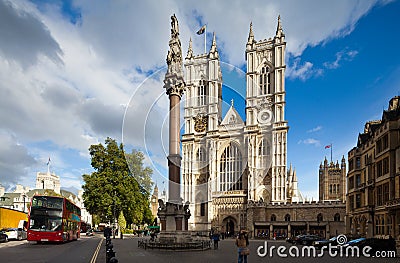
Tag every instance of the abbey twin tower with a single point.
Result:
(228, 162)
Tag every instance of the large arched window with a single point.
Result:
(202, 93)
(265, 81)
(230, 170)
(273, 218)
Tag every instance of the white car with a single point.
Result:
(15, 233)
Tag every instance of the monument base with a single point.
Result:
(174, 233)
(177, 241)
(173, 216)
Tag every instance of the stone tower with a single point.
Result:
(48, 181)
(266, 127)
(227, 161)
(332, 181)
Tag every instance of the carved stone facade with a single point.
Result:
(285, 220)
(227, 161)
(373, 180)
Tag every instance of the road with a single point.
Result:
(84, 251)
(80, 251)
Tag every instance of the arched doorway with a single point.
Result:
(228, 226)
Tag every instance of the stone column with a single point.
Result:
(174, 157)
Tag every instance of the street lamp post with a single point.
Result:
(114, 226)
(23, 196)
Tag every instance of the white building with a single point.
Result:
(227, 161)
(48, 181)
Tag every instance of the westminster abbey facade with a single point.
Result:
(228, 162)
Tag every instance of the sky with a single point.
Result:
(73, 73)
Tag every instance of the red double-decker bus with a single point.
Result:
(53, 218)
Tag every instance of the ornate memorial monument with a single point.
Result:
(174, 214)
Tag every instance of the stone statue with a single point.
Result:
(174, 56)
(174, 27)
(186, 207)
(161, 205)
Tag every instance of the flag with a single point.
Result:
(48, 162)
(201, 30)
(328, 146)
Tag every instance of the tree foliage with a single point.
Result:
(112, 188)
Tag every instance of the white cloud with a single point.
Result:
(302, 71)
(318, 128)
(343, 55)
(65, 83)
(310, 141)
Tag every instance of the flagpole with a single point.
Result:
(205, 39)
(331, 151)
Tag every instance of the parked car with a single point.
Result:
(90, 232)
(320, 243)
(376, 244)
(356, 242)
(307, 240)
(3, 237)
(15, 233)
(294, 239)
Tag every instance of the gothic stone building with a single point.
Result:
(332, 180)
(229, 165)
(373, 198)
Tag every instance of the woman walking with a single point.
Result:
(242, 241)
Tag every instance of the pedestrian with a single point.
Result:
(107, 232)
(215, 239)
(242, 242)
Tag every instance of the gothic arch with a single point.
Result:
(265, 62)
(229, 224)
(336, 217)
(273, 218)
(287, 217)
(320, 218)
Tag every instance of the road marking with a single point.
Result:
(94, 258)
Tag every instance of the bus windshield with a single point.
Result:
(46, 214)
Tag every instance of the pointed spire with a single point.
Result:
(213, 49)
(279, 30)
(231, 102)
(190, 50)
(250, 39)
(294, 176)
(290, 170)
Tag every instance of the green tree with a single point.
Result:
(122, 222)
(142, 174)
(112, 188)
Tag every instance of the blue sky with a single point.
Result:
(69, 69)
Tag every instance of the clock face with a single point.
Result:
(264, 116)
(200, 124)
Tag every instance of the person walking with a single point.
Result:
(242, 242)
(215, 238)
